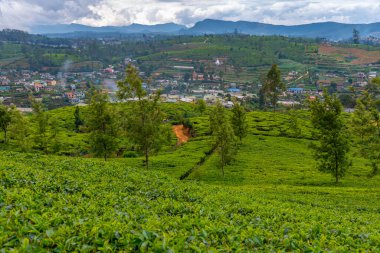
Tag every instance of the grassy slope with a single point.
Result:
(271, 197)
(82, 204)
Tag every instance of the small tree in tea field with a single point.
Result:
(41, 131)
(365, 123)
(331, 152)
(239, 120)
(145, 120)
(101, 124)
(5, 120)
(273, 85)
(224, 138)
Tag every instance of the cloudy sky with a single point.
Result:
(22, 14)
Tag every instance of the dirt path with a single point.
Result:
(182, 133)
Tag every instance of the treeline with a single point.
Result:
(18, 36)
(153, 53)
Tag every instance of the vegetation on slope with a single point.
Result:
(66, 204)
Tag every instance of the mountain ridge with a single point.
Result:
(330, 30)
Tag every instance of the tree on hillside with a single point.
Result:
(101, 124)
(239, 120)
(273, 86)
(201, 105)
(262, 99)
(362, 117)
(54, 138)
(373, 88)
(5, 120)
(224, 138)
(77, 119)
(20, 130)
(294, 127)
(365, 122)
(42, 119)
(145, 120)
(331, 152)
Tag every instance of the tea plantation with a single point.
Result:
(271, 199)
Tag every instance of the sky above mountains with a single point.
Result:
(22, 14)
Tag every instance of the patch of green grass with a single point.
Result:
(66, 204)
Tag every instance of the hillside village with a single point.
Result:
(185, 85)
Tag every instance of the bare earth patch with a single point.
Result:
(182, 133)
(360, 56)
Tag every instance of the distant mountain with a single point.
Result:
(329, 30)
(169, 28)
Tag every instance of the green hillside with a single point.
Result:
(87, 205)
(271, 199)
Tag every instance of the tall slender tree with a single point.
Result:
(224, 138)
(362, 117)
(101, 124)
(54, 136)
(331, 152)
(20, 131)
(239, 120)
(5, 120)
(77, 119)
(145, 119)
(273, 85)
(365, 123)
(294, 127)
(42, 119)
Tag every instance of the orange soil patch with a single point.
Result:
(360, 56)
(182, 133)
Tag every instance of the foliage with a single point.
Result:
(270, 198)
(294, 126)
(131, 87)
(201, 106)
(145, 121)
(331, 152)
(365, 122)
(273, 85)
(101, 124)
(5, 120)
(77, 119)
(54, 136)
(20, 131)
(239, 120)
(41, 131)
(62, 204)
(224, 138)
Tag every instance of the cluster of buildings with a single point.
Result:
(184, 85)
(16, 86)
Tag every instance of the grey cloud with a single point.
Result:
(24, 13)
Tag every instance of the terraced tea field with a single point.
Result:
(271, 198)
(64, 204)
(355, 56)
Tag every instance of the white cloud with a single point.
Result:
(24, 13)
